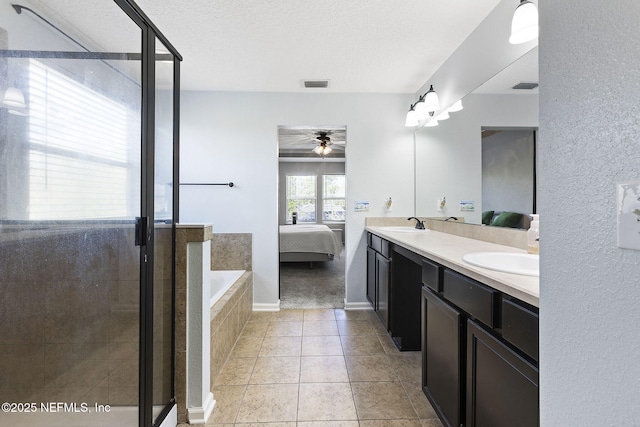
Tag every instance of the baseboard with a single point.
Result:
(266, 307)
(201, 415)
(357, 305)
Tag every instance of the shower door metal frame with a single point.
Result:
(149, 35)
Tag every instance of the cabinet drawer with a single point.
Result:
(520, 327)
(431, 275)
(380, 245)
(471, 296)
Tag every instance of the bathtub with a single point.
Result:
(221, 281)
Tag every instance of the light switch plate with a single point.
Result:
(629, 215)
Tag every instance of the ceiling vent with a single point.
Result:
(525, 86)
(316, 84)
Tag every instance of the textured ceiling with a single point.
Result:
(373, 46)
(370, 46)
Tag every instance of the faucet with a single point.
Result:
(452, 217)
(419, 224)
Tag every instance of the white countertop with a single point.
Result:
(448, 250)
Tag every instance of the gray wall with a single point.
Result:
(507, 172)
(589, 142)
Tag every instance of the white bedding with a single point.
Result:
(314, 238)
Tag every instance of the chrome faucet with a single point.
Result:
(419, 224)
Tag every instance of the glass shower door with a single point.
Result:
(70, 192)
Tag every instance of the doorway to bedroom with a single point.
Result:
(311, 216)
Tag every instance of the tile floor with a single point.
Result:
(319, 367)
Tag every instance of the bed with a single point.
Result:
(308, 243)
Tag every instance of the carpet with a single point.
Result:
(319, 287)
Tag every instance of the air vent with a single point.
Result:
(322, 84)
(525, 86)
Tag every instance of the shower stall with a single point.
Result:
(89, 95)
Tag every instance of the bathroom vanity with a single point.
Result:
(477, 328)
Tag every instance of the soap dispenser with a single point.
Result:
(533, 235)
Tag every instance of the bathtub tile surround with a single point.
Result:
(301, 385)
(228, 317)
(231, 251)
(516, 238)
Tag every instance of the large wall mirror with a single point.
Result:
(449, 157)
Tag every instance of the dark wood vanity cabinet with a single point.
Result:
(502, 386)
(480, 352)
(378, 276)
(442, 368)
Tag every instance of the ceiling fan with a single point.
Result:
(324, 144)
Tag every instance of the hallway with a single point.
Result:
(320, 367)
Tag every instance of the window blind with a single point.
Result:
(84, 150)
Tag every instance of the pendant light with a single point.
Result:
(524, 26)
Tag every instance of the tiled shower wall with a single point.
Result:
(70, 315)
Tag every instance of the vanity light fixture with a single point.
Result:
(433, 122)
(424, 107)
(443, 116)
(456, 107)
(524, 25)
(412, 117)
(431, 101)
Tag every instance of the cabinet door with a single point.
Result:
(371, 277)
(442, 340)
(502, 387)
(383, 270)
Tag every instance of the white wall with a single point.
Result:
(590, 289)
(449, 156)
(232, 136)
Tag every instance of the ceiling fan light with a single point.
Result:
(431, 123)
(13, 97)
(524, 26)
(318, 149)
(457, 106)
(327, 150)
(431, 101)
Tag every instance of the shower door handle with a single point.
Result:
(141, 230)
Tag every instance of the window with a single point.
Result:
(301, 198)
(84, 150)
(334, 199)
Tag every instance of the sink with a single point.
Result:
(403, 229)
(516, 263)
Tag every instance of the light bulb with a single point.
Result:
(524, 26)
